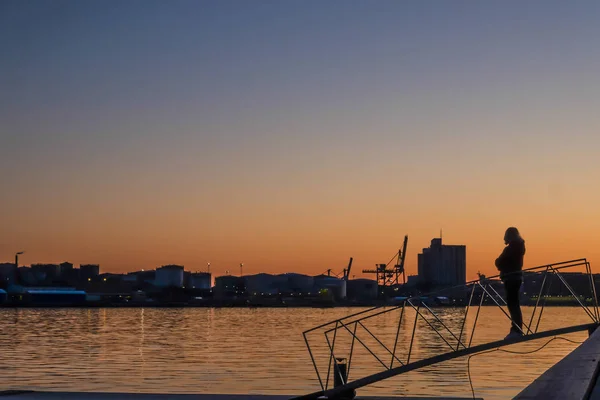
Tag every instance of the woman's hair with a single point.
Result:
(512, 235)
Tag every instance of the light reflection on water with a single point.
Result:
(256, 351)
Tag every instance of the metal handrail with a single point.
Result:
(416, 302)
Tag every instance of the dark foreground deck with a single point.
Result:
(16, 395)
(574, 377)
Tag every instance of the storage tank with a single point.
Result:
(169, 275)
(260, 284)
(299, 283)
(228, 285)
(336, 286)
(361, 289)
(200, 280)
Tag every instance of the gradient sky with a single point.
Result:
(291, 135)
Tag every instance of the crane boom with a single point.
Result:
(401, 257)
(385, 274)
(347, 270)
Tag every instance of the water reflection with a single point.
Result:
(250, 351)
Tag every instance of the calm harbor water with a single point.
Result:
(239, 350)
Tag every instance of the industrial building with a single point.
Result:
(42, 296)
(361, 289)
(7, 272)
(199, 280)
(442, 265)
(89, 271)
(45, 272)
(229, 286)
(332, 285)
(56, 297)
(169, 276)
(264, 284)
(288, 283)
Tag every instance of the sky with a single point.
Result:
(292, 135)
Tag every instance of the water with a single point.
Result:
(257, 351)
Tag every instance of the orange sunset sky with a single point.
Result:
(292, 136)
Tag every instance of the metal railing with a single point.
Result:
(479, 291)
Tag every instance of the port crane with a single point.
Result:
(345, 272)
(388, 275)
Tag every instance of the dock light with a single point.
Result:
(104, 279)
(89, 279)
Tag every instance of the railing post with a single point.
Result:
(397, 334)
(462, 328)
(340, 378)
(331, 356)
(412, 338)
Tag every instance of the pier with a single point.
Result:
(334, 377)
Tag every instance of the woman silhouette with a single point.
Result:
(510, 264)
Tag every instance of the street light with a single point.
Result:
(208, 265)
(241, 269)
(17, 258)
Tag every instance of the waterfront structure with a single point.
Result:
(361, 289)
(199, 280)
(7, 273)
(169, 276)
(335, 286)
(298, 283)
(66, 268)
(478, 295)
(55, 296)
(412, 280)
(45, 272)
(288, 283)
(229, 286)
(442, 265)
(89, 271)
(264, 284)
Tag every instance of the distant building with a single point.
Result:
(229, 286)
(169, 276)
(412, 280)
(66, 268)
(7, 273)
(361, 289)
(89, 271)
(56, 296)
(264, 284)
(200, 280)
(25, 276)
(335, 286)
(443, 265)
(298, 283)
(45, 272)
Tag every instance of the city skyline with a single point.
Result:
(292, 136)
